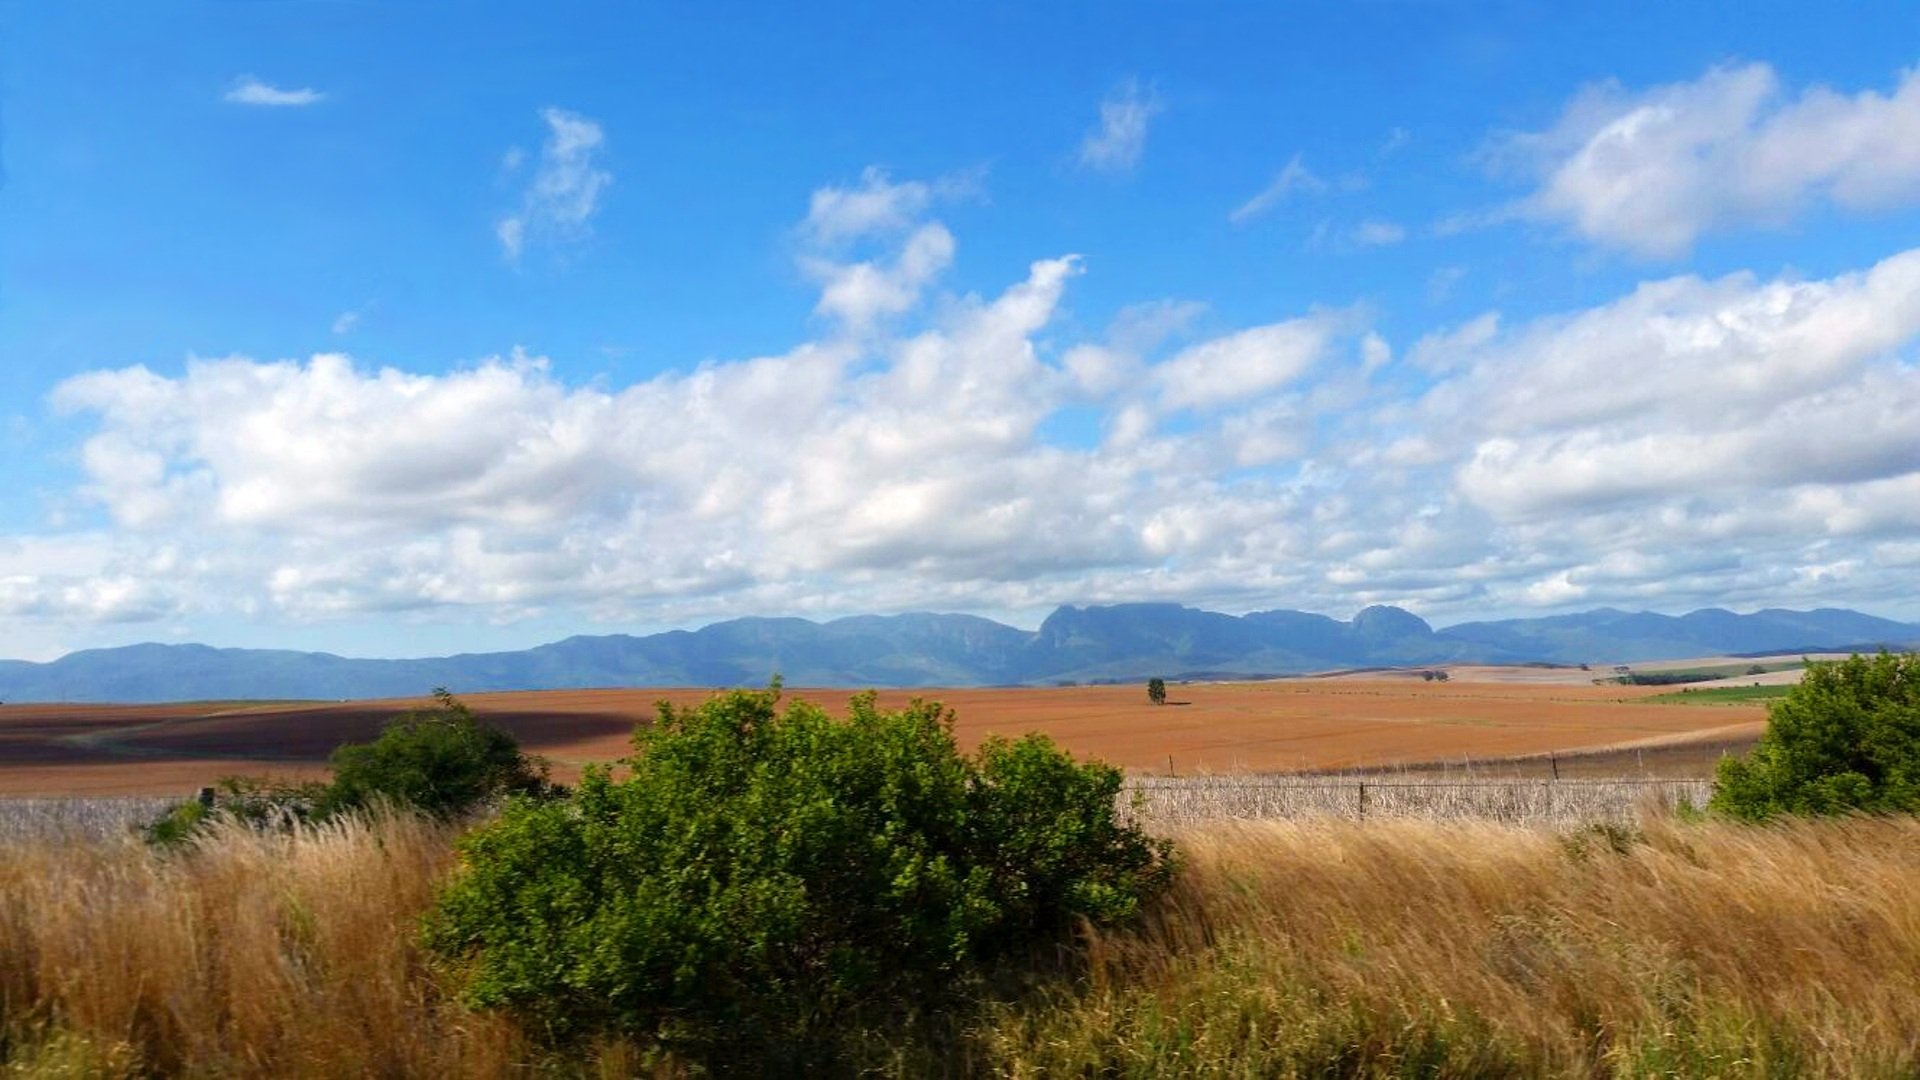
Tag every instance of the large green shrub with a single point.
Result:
(1847, 738)
(765, 882)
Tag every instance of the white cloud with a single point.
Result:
(877, 206)
(876, 212)
(564, 193)
(1247, 364)
(247, 90)
(1378, 234)
(1766, 424)
(1116, 144)
(1650, 172)
(858, 293)
(1736, 440)
(1296, 177)
(346, 322)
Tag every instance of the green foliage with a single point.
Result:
(180, 823)
(766, 884)
(1721, 695)
(1157, 690)
(1847, 738)
(441, 761)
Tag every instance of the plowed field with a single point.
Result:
(1281, 725)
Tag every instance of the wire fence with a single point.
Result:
(1156, 799)
(77, 819)
(1166, 799)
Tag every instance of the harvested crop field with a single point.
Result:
(1272, 726)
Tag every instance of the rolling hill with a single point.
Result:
(1074, 644)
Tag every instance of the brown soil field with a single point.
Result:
(1346, 723)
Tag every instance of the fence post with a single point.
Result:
(1553, 759)
(1363, 800)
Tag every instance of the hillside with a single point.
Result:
(1074, 644)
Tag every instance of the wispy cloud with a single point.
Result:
(248, 90)
(1116, 143)
(348, 321)
(564, 194)
(1378, 233)
(1296, 177)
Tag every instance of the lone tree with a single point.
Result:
(1157, 690)
(1847, 738)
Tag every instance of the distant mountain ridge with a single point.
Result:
(1074, 644)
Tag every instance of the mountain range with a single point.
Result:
(1074, 644)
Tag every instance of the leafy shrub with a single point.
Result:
(259, 802)
(768, 883)
(1846, 738)
(180, 823)
(441, 761)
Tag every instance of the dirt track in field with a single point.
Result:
(1280, 725)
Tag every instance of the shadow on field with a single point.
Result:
(311, 734)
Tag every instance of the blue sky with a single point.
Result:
(389, 329)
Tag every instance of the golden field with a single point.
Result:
(1278, 725)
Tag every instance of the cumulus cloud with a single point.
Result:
(564, 194)
(1116, 143)
(1694, 441)
(876, 212)
(876, 205)
(1650, 172)
(1736, 440)
(248, 90)
(1247, 364)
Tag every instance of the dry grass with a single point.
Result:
(248, 955)
(1286, 948)
(1472, 949)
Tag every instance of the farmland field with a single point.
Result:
(1503, 720)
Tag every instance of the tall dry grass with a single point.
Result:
(1286, 948)
(246, 954)
(1474, 949)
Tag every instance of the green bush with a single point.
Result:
(1847, 738)
(180, 823)
(770, 883)
(441, 761)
